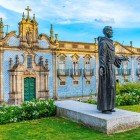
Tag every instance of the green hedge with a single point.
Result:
(27, 111)
(128, 94)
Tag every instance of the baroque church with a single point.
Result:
(39, 66)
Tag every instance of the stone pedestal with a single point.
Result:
(118, 121)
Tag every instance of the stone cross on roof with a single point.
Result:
(28, 10)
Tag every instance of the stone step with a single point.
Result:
(87, 114)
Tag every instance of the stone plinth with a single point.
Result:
(118, 121)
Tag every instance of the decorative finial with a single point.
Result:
(17, 60)
(1, 20)
(28, 10)
(10, 63)
(34, 17)
(56, 37)
(131, 43)
(51, 33)
(41, 61)
(95, 40)
(46, 63)
(7, 28)
(23, 16)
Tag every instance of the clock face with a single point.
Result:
(13, 41)
(43, 44)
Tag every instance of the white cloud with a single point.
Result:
(2, 15)
(116, 12)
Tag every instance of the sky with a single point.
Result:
(78, 20)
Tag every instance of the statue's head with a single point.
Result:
(108, 32)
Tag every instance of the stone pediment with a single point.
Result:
(22, 68)
(120, 49)
(44, 41)
(11, 40)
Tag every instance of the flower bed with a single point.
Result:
(27, 111)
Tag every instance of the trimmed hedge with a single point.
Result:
(128, 94)
(27, 111)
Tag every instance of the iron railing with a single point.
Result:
(88, 72)
(75, 72)
(62, 72)
(137, 72)
(118, 71)
(126, 71)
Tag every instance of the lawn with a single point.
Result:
(61, 129)
(135, 108)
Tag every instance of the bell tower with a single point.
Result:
(28, 30)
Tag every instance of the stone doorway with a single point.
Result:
(28, 79)
(29, 88)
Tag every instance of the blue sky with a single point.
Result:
(79, 20)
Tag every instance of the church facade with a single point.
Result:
(39, 66)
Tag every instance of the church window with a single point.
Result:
(87, 65)
(61, 65)
(125, 67)
(29, 61)
(75, 64)
(75, 67)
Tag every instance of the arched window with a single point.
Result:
(87, 64)
(61, 64)
(75, 66)
(125, 67)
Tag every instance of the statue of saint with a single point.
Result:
(107, 62)
(29, 37)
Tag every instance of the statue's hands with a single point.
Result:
(124, 58)
(101, 71)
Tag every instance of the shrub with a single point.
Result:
(128, 94)
(27, 111)
(127, 88)
(91, 101)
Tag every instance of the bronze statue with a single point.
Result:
(107, 62)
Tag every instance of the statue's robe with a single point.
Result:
(107, 81)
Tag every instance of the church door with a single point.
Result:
(29, 88)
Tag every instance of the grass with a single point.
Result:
(60, 129)
(134, 108)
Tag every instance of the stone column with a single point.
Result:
(10, 79)
(19, 91)
(1, 75)
(47, 92)
(12, 83)
(54, 63)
